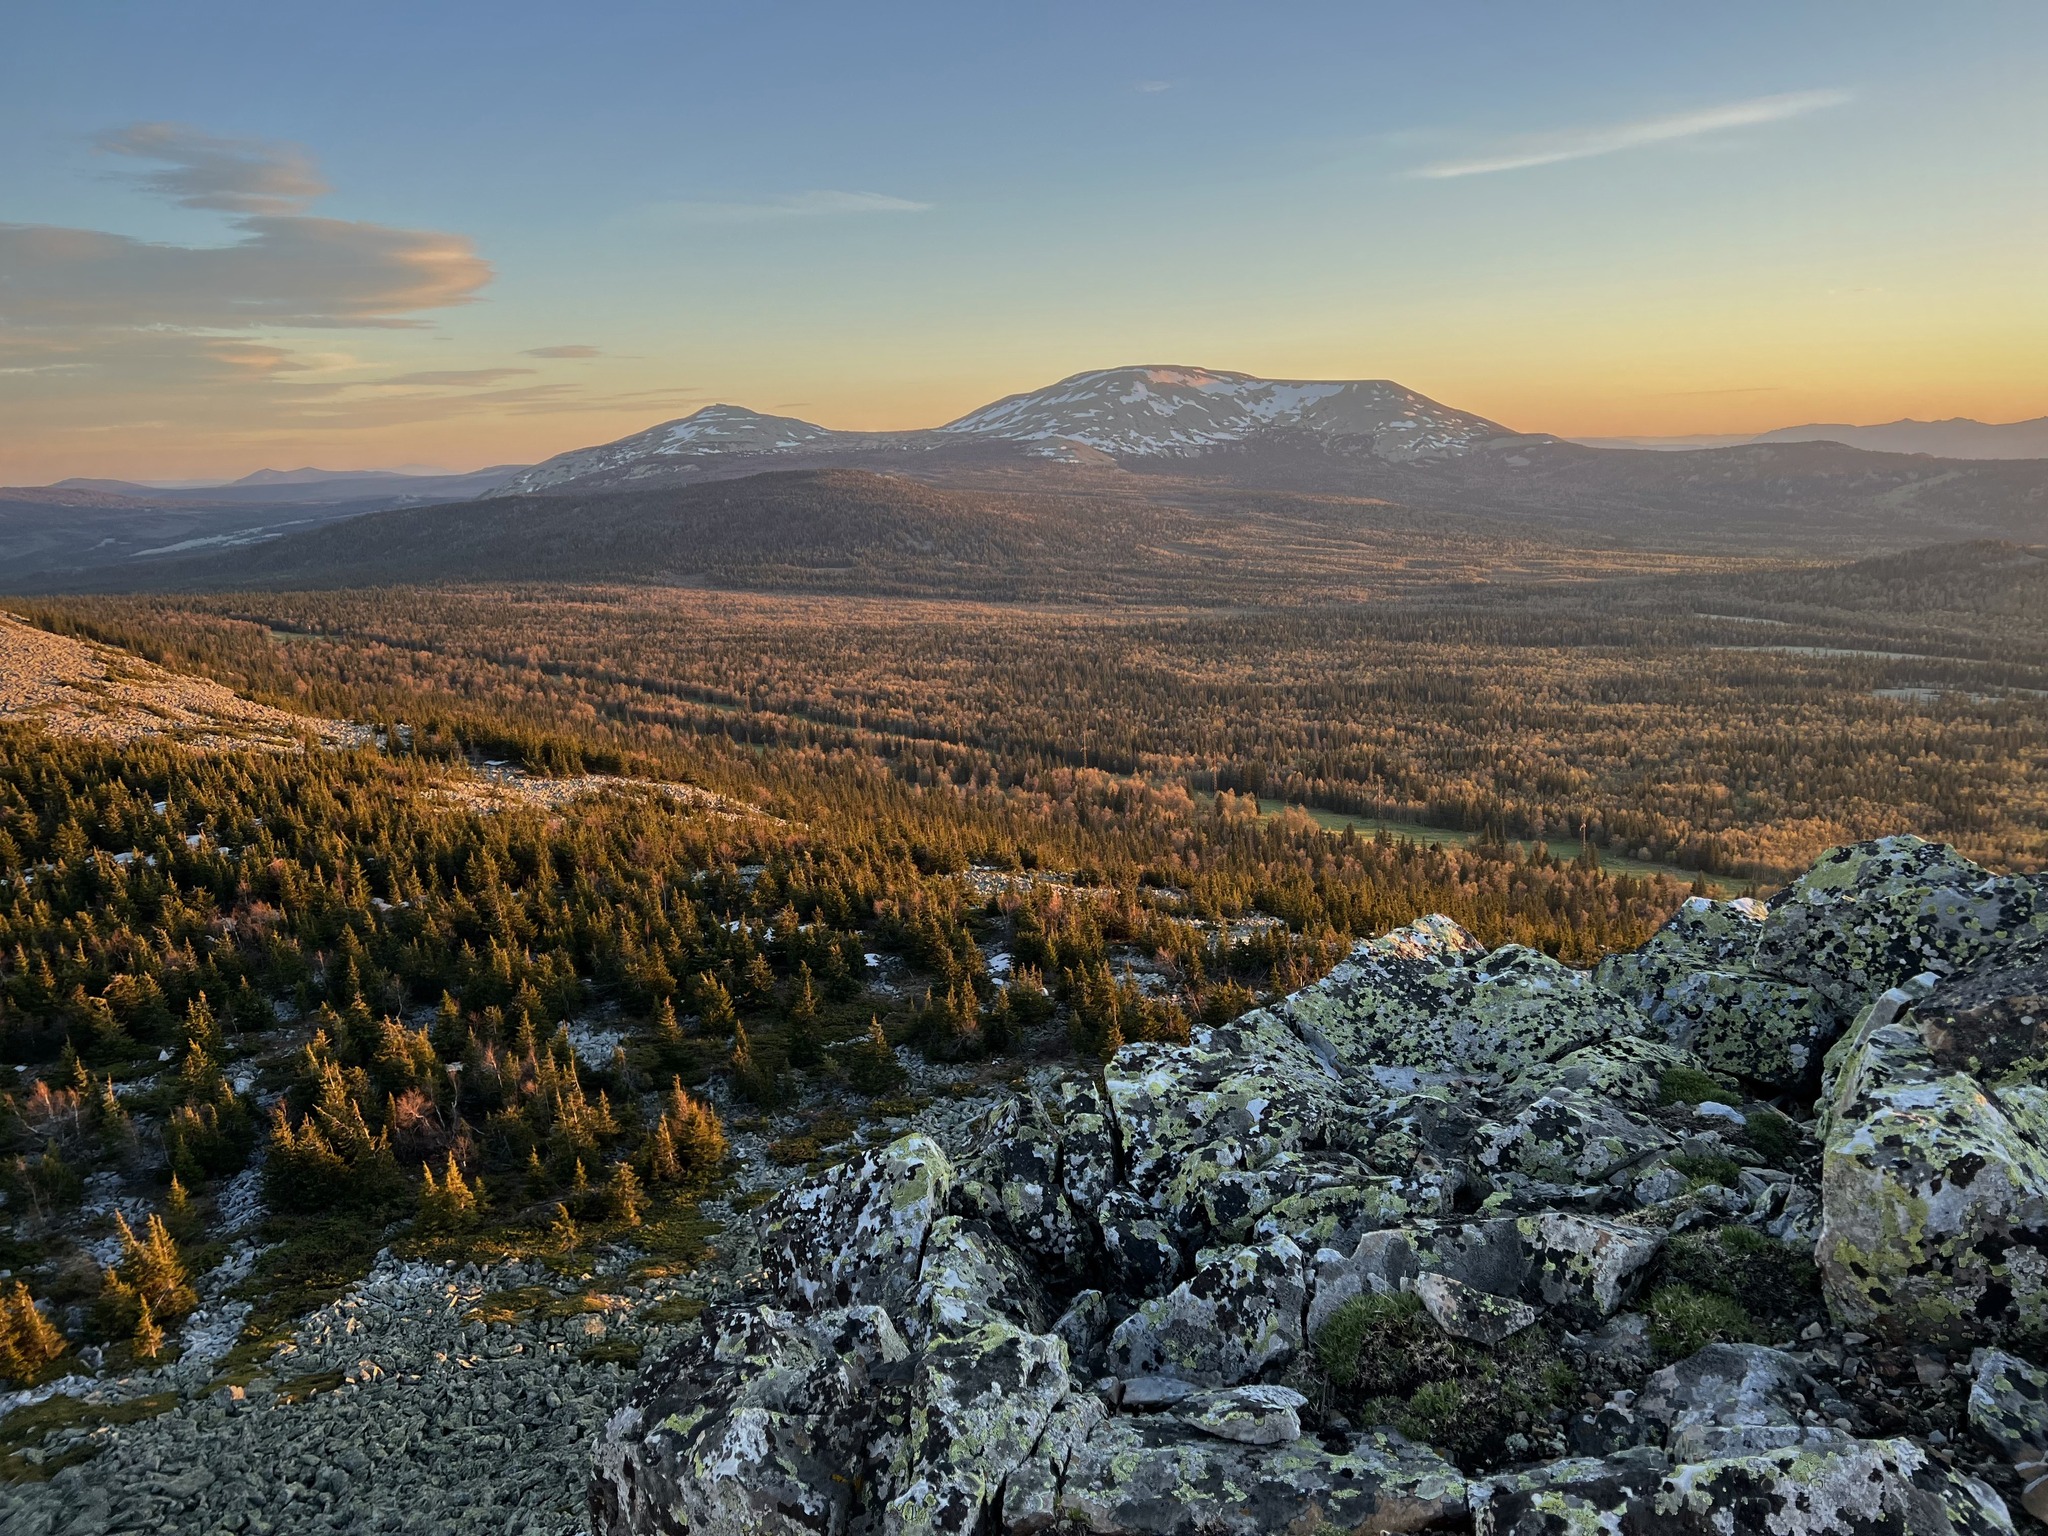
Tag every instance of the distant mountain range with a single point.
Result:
(1959, 437)
(1165, 474)
(288, 487)
(47, 531)
(1121, 413)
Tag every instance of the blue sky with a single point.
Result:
(233, 235)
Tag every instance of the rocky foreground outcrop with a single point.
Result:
(1435, 1244)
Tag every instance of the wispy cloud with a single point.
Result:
(793, 205)
(1152, 87)
(462, 377)
(572, 351)
(1532, 150)
(201, 170)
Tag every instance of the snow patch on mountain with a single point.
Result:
(1172, 411)
(716, 429)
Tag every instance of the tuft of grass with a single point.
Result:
(1775, 1138)
(1708, 1169)
(1351, 1327)
(673, 1310)
(1685, 1320)
(1689, 1085)
(1768, 1279)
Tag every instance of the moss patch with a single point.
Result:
(1771, 1281)
(25, 1428)
(1383, 1361)
(1689, 1085)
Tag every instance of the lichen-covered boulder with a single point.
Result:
(1763, 1031)
(1859, 1488)
(1337, 1215)
(1856, 1488)
(1014, 1184)
(1464, 1312)
(1088, 1145)
(1140, 1250)
(1585, 1267)
(1732, 1400)
(752, 1425)
(854, 1235)
(1208, 1199)
(1175, 1104)
(967, 1278)
(1500, 1012)
(1626, 1070)
(1487, 1254)
(1934, 1191)
(1236, 1318)
(1868, 915)
(1031, 1497)
(1157, 1476)
(2009, 1405)
(1702, 935)
(1255, 1415)
(980, 1400)
(1991, 1022)
(1580, 1496)
(1568, 1147)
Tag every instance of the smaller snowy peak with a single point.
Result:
(716, 429)
(1176, 411)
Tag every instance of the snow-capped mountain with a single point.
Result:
(1125, 412)
(715, 431)
(1171, 411)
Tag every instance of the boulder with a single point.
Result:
(1237, 1317)
(1174, 1104)
(751, 1425)
(1857, 1488)
(1486, 1254)
(1254, 1415)
(1464, 1312)
(1934, 1191)
(1337, 1215)
(1582, 1494)
(1210, 1198)
(1702, 935)
(1585, 1267)
(1447, 1009)
(2009, 1405)
(1568, 1147)
(1088, 1145)
(1867, 916)
(1141, 1251)
(1763, 1031)
(1031, 1498)
(1732, 1400)
(1014, 1185)
(1991, 1022)
(970, 1277)
(1158, 1476)
(853, 1236)
(980, 1400)
(1625, 1070)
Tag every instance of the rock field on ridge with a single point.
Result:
(1742, 1232)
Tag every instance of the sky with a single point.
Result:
(239, 235)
